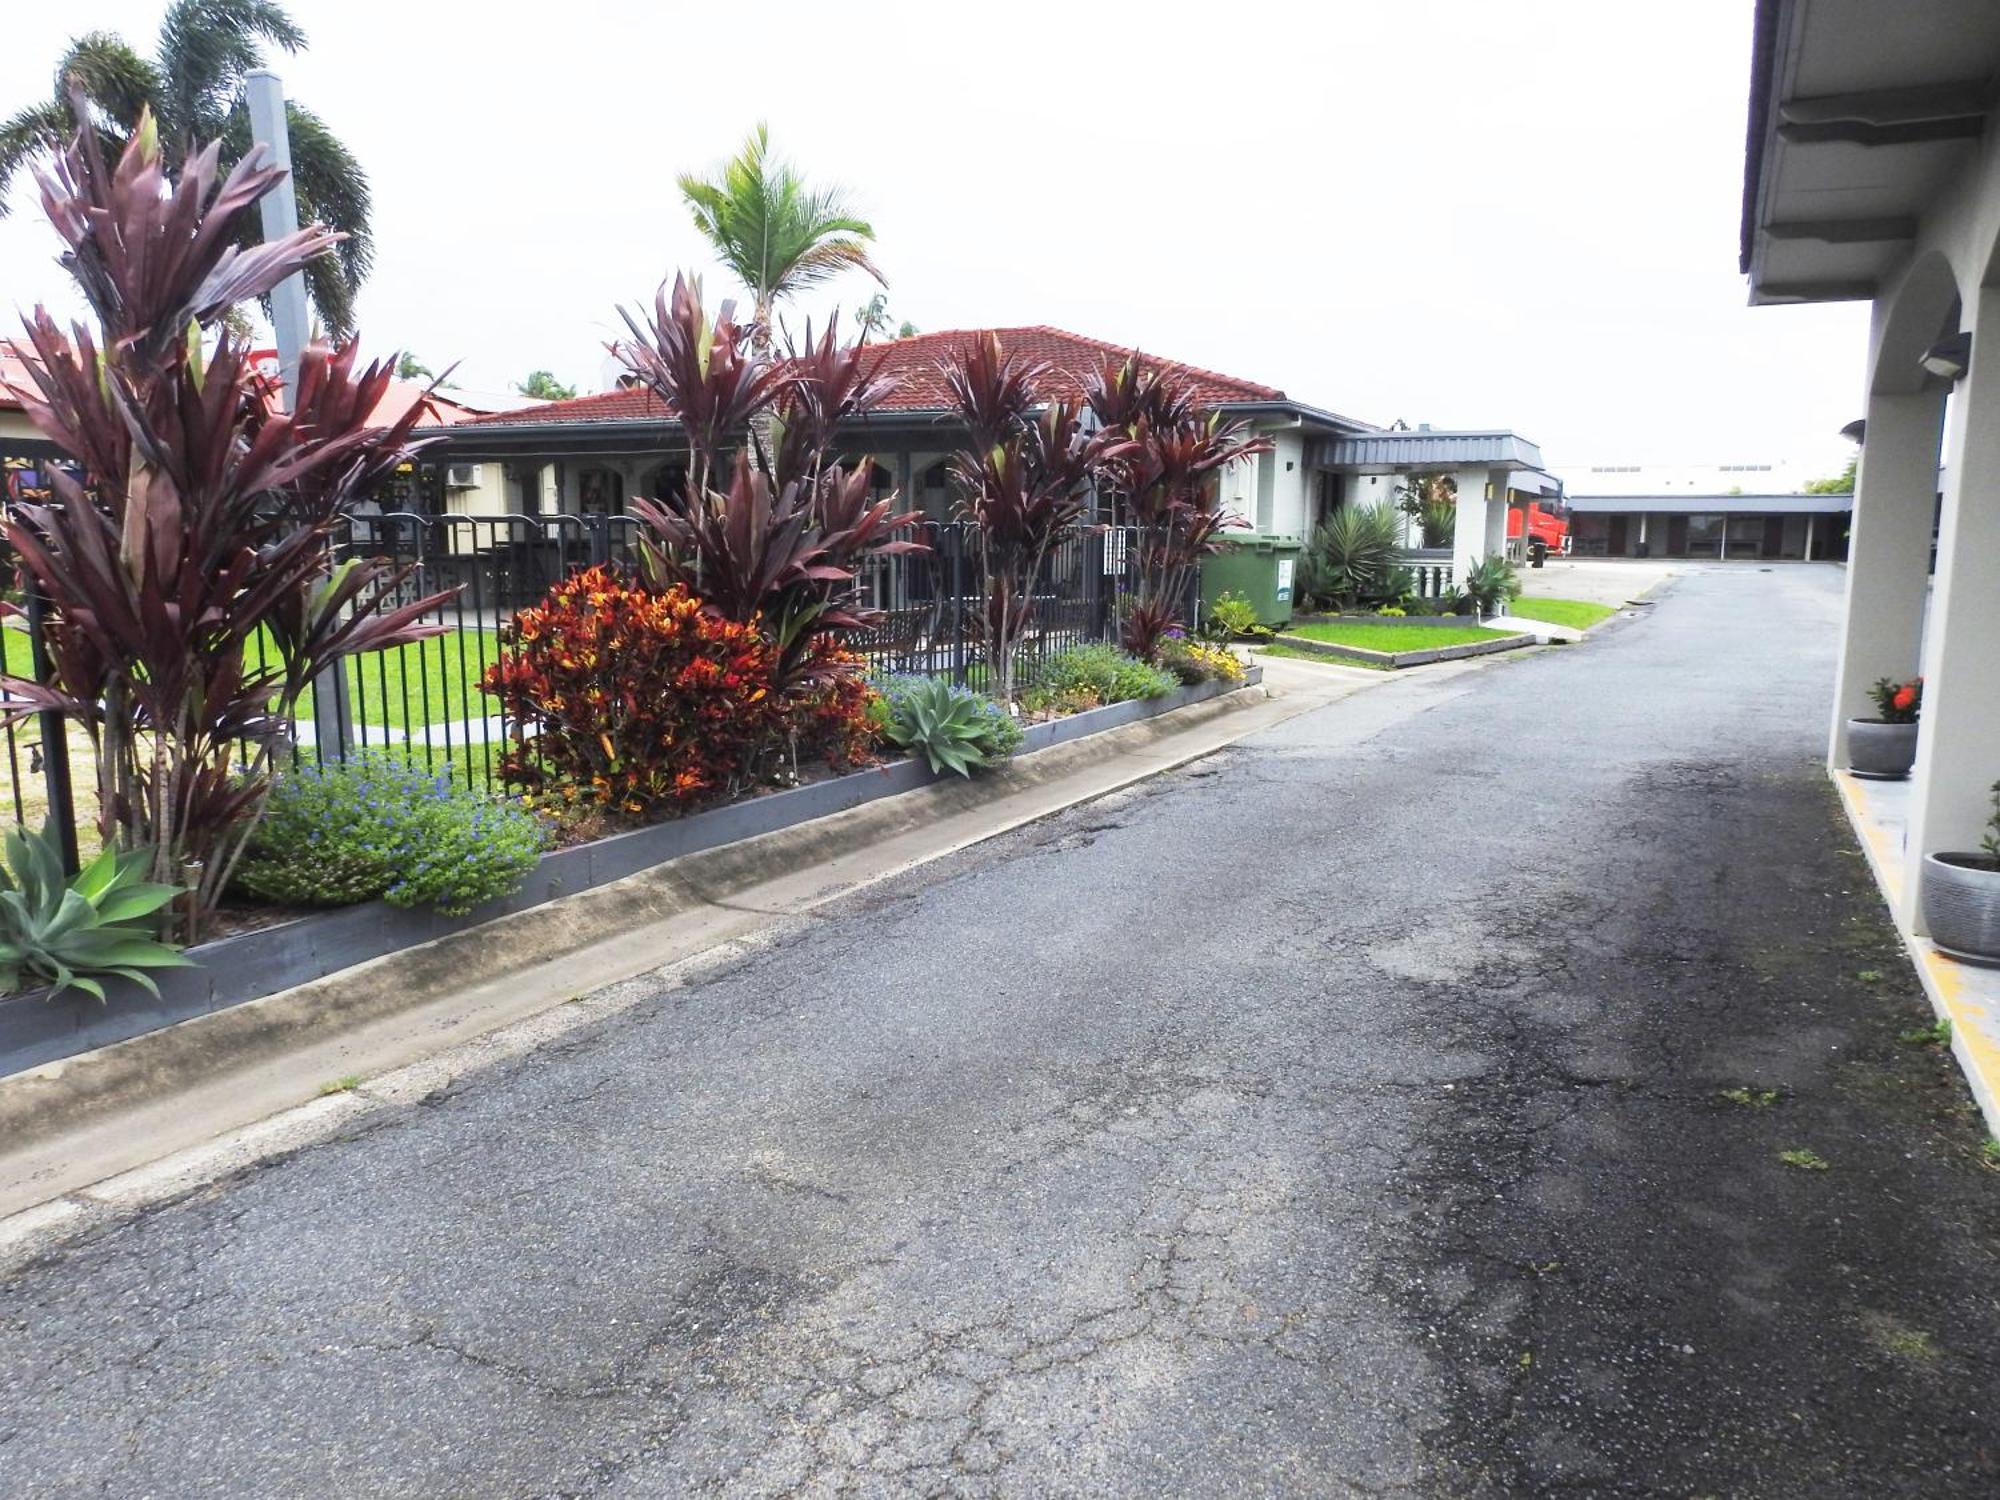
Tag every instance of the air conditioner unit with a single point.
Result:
(461, 476)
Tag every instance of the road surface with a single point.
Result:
(1342, 1115)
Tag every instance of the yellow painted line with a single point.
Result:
(1975, 1040)
(1878, 841)
(1966, 996)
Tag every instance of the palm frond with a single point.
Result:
(332, 189)
(206, 46)
(773, 233)
(35, 131)
(118, 83)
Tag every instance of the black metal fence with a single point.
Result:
(424, 700)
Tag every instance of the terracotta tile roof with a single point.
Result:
(915, 362)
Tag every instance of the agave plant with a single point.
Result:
(950, 727)
(1025, 479)
(1165, 480)
(72, 933)
(204, 517)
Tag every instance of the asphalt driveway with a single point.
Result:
(1342, 1115)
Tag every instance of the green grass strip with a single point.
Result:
(1578, 614)
(1386, 637)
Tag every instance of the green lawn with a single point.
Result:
(1371, 636)
(1578, 614)
(427, 682)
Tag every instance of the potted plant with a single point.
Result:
(1885, 747)
(1961, 897)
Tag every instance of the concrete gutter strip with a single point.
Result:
(156, 1104)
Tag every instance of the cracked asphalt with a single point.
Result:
(1342, 1115)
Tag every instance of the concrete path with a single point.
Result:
(1233, 1136)
(1601, 580)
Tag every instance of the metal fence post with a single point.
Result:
(955, 582)
(55, 744)
(264, 94)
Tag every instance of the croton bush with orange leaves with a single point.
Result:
(641, 702)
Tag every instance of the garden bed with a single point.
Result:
(35, 1030)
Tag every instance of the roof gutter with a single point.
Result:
(1310, 416)
(1763, 85)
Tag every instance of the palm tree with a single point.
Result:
(194, 86)
(775, 234)
(872, 317)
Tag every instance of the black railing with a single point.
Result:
(424, 699)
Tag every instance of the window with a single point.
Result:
(1704, 536)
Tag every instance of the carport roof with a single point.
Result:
(1860, 114)
(1424, 449)
(1713, 505)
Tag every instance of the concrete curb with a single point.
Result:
(62, 1096)
(237, 970)
(1399, 659)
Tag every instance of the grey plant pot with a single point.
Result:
(1879, 751)
(1961, 900)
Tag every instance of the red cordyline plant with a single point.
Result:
(203, 518)
(782, 543)
(1165, 479)
(1024, 479)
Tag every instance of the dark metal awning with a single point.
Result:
(1421, 449)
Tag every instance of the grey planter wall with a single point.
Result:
(36, 1030)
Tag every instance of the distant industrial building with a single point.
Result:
(1743, 527)
(1740, 511)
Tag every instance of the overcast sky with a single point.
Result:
(1449, 211)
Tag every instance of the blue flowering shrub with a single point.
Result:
(338, 834)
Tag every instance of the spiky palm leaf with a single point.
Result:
(776, 234)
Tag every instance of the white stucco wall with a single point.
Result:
(492, 496)
(1273, 491)
(14, 425)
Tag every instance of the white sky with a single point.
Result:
(1453, 211)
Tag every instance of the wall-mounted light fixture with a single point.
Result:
(1856, 431)
(1949, 357)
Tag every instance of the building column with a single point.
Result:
(1470, 529)
(1496, 513)
(1958, 744)
(1889, 561)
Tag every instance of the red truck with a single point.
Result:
(1545, 524)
